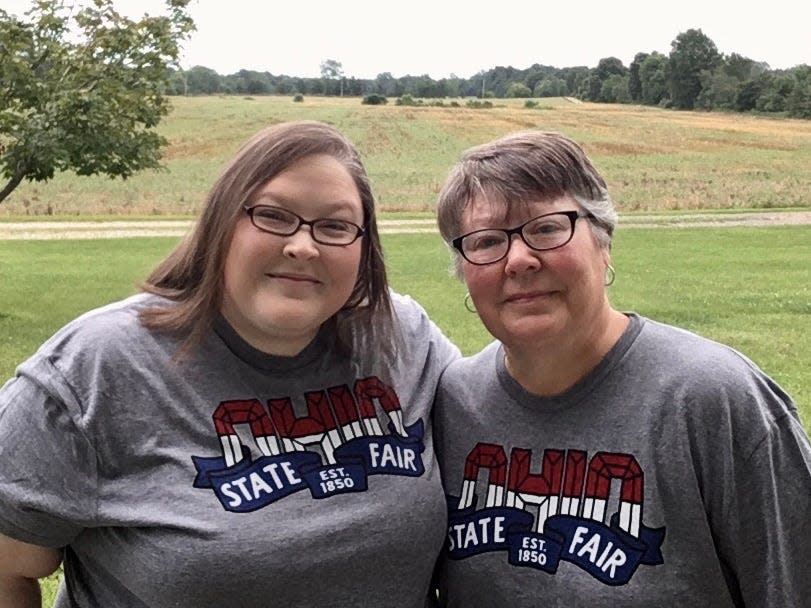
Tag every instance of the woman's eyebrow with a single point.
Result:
(332, 206)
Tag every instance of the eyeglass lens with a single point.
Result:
(541, 233)
(285, 223)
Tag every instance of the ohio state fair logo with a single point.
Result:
(331, 450)
(558, 514)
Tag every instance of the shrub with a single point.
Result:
(408, 100)
(530, 103)
(475, 103)
(298, 97)
(374, 100)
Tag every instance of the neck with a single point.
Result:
(288, 344)
(551, 371)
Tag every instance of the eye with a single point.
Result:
(336, 227)
(546, 226)
(273, 215)
(480, 241)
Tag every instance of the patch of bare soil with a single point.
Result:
(124, 229)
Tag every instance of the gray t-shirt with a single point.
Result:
(675, 474)
(233, 479)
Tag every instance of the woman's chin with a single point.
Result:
(533, 331)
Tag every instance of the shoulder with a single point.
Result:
(717, 386)
(411, 317)
(407, 310)
(683, 353)
(417, 331)
(470, 389)
(468, 372)
(102, 329)
(100, 343)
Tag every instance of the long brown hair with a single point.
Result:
(191, 276)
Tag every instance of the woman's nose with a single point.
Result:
(521, 257)
(300, 244)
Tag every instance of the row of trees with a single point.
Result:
(694, 75)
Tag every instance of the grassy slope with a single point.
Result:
(653, 159)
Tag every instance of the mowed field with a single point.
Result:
(653, 159)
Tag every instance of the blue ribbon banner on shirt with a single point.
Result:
(608, 553)
(252, 484)
(388, 454)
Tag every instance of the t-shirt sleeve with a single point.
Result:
(763, 535)
(442, 349)
(47, 465)
(420, 329)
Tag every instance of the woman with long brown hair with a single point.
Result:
(253, 429)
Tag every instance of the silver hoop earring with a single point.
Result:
(610, 275)
(469, 303)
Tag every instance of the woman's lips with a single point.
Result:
(294, 277)
(527, 296)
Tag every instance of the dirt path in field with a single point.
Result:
(754, 218)
(125, 228)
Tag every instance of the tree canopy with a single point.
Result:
(692, 52)
(84, 88)
(332, 70)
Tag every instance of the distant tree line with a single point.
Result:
(694, 75)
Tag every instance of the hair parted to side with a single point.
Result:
(519, 168)
(191, 276)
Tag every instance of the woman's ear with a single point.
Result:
(607, 256)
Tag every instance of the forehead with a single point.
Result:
(490, 212)
(318, 183)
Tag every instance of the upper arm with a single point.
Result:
(420, 329)
(764, 536)
(19, 559)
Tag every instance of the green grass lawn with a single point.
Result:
(747, 287)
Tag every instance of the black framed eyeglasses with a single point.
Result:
(541, 233)
(282, 222)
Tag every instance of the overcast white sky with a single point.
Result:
(444, 37)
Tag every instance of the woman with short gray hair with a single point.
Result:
(593, 457)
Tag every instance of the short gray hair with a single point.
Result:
(520, 168)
